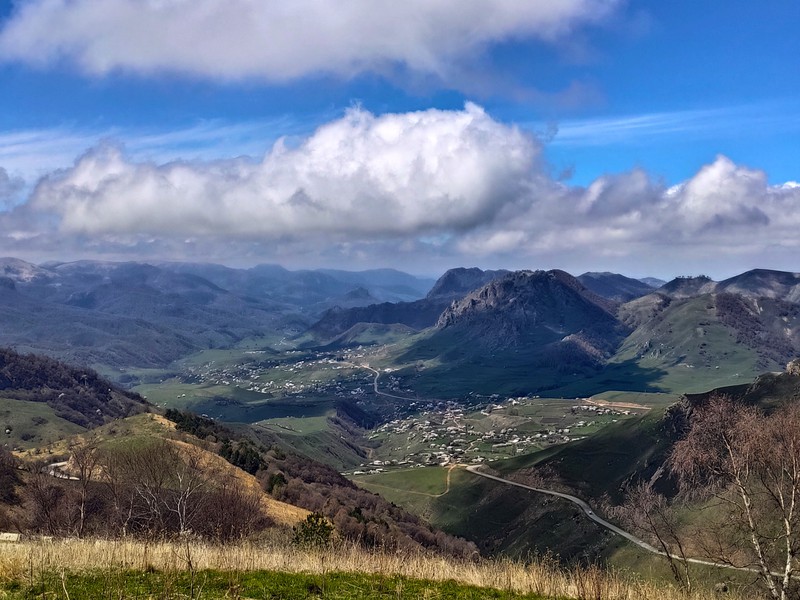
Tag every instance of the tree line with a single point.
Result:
(80, 396)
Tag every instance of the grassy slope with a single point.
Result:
(439, 364)
(32, 424)
(684, 348)
(500, 519)
(600, 464)
(692, 349)
(413, 489)
(143, 429)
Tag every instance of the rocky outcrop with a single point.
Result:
(453, 285)
(536, 307)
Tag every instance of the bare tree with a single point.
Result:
(47, 500)
(190, 482)
(653, 516)
(232, 510)
(86, 461)
(749, 462)
(120, 491)
(157, 487)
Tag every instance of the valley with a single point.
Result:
(532, 377)
(429, 300)
(299, 393)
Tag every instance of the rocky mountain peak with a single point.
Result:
(524, 300)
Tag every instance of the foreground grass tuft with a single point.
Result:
(214, 585)
(127, 570)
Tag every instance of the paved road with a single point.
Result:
(575, 500)
(54, 470)
(375, 381)
(610, 526)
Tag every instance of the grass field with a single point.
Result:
(649, 399)
(276, 569)
(32, 424)
(413, 489)
(299, 425)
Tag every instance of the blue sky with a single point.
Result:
(652, 138)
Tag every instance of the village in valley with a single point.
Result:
(413, 431)
(446, 433)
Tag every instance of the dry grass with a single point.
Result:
(155, 425)
(281, 513)
(545, 578)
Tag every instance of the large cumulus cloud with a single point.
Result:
(278, 40)
(361, 175)
(452, 186)
(724, 208)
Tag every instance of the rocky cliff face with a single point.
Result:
(420, 314)
(536, 306)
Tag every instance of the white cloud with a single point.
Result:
(723, 194)
(10, 187)
(360, 175)
(277, 40)
(724, 207)
(444, 187)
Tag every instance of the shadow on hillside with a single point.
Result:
(446, 368)
(626, 376)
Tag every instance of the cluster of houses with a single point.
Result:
(283, 379)
(444, 433)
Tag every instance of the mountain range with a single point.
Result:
(533, 331)
(133, 314)
(471, 330)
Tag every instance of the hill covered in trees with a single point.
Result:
(79, 396)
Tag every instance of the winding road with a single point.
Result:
(603, 523)
(574, 499)
(375, 381)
